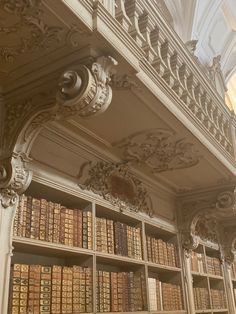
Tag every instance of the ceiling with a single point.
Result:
(213, 24)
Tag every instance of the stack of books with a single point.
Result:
(164, 296)
(218, 299)
(120, 292)
(201, 298)
(118, 238)
(213, 266)
(50, 289)
(162, 252)
(198, 262)
(43, 220)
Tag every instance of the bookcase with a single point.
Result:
(208, 282)
(86, 256)
(233, 278)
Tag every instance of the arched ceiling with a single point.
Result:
(213, 24)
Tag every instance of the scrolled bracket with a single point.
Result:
(14, 175)
(86, 92)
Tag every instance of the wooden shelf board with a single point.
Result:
(203, 311)
(195, 273)
(47, 248)
(162, 268)
(215, 277)
(219, 310)
(122, 260)
(169, 312)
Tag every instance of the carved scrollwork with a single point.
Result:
(159, 149)
(116, 184)
(226, 203)
(86, 92)
(13, 174)
(8, 197)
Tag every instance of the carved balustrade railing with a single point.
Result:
(176, 66)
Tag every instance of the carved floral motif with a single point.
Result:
(159, 149)
(116, 184)
(8, 197)
(29, 26)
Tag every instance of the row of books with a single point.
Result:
(218, 299)
(213, 266)
(161, 252)
(164, 296)
(233, 270)
(52, 222)
(50, 289)
(201, 298)
(120, 292)
(118, 238)
(198, 262)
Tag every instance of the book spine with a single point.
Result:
(56, 289)
(24, 283)
(35, 219)
(43, 216)
(45, 293)
(110, 236)
(76, 289)
(88, 290)
(56, 222)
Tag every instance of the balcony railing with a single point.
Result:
(175, 65)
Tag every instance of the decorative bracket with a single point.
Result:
(83, 92)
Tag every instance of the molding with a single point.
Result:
(115, 183)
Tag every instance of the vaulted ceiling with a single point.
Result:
(213, 24)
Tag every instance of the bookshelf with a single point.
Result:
(112, 264)
(208, 282)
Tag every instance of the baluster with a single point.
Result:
(134, 11)
(146, 25)
(176, 63)
(156, 41)
(121, 15)
(183, 75)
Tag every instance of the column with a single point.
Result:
(8, 203)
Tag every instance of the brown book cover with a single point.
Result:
(62, 225)
(85, 230)
(106, 292)
(24, 283)
(98, 234)
(80, 228)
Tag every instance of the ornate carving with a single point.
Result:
(87, 92)
(116, 184)
(216, 76)
(206, 229)
(14, 175)
(159, 149)
(191, 45)
(203, 217)
(228, 239)
(29, 22)
(123, 82)
(8, 197)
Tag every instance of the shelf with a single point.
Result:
(27, 245)
(215, 277)
(219, 310)
(168, 312)
(117, 259)
(162, 268)
(203, 311)
(194, 273)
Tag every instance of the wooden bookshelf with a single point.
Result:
(208, 281)
(30, 251)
